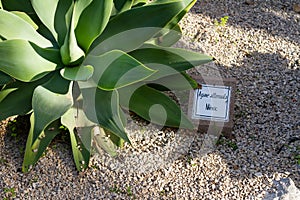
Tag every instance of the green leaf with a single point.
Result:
(101, 140)
(15, 98)
(123, 5)
(35, 149)
(47, 107)
(102, 107)
(25, 61)
(4, 79)
(79, 6)
(81, 154)
(92, 22)
(153, 106)
(79, 73)
(57, 84)
(20, 5)
(70, 52)
(80, 128)
(26, 17)
(139, 3)
(188, 5)
(168, 61)
(75, 116)
(55, 15)
(21, 29)
(175, 82)
(135, 29)
(117, 69)
(169, 38)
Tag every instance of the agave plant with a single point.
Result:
(82, 63)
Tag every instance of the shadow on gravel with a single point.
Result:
(13, 138)
(267, 119)
(266, 16)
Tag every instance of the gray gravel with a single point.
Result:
(260, 47)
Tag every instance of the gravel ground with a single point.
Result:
(260, 47)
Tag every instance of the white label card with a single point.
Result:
(212, 103)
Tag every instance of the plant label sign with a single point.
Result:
(211, 105)
(211, 102)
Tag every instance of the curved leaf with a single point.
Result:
(92, 22)
(169, 38)
(101, 140)
(71, 53)
(4, 79)
(20, 29)
(168, 61)
(26, 61)
(79, 73)
(175, 82)
(20, 5)
(188, 5)
(55, 15)
(26, 17)
(123, 5)
(16, 97)
(81, 153)
(139, 3)
(80, 129)
(135, 29)
(102, 107)
(35, 149)
(117, 69)
(47, 107)
(79, 6)
(153, 106)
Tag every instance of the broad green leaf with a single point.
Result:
(153, 106)
(102, 140)
(92, 22)
(123, 5)
(139, 2)
(20, 29)
(168, 61)
(102, 107)
(4, 79)
(25, 6)
(116, 140)
(126, 31)
(79, 6)
(57, 84)
(47, 107)
(117, 69)
(81, 154)
(26, 17)
(79, 73)
(80, 129)
(55, 15)
(75, 116)
(35, 149)
(25, 61)
(188, 5)
(70, 52)
(175, 82)
(16, 97)
(18, 5)
(169, 38)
